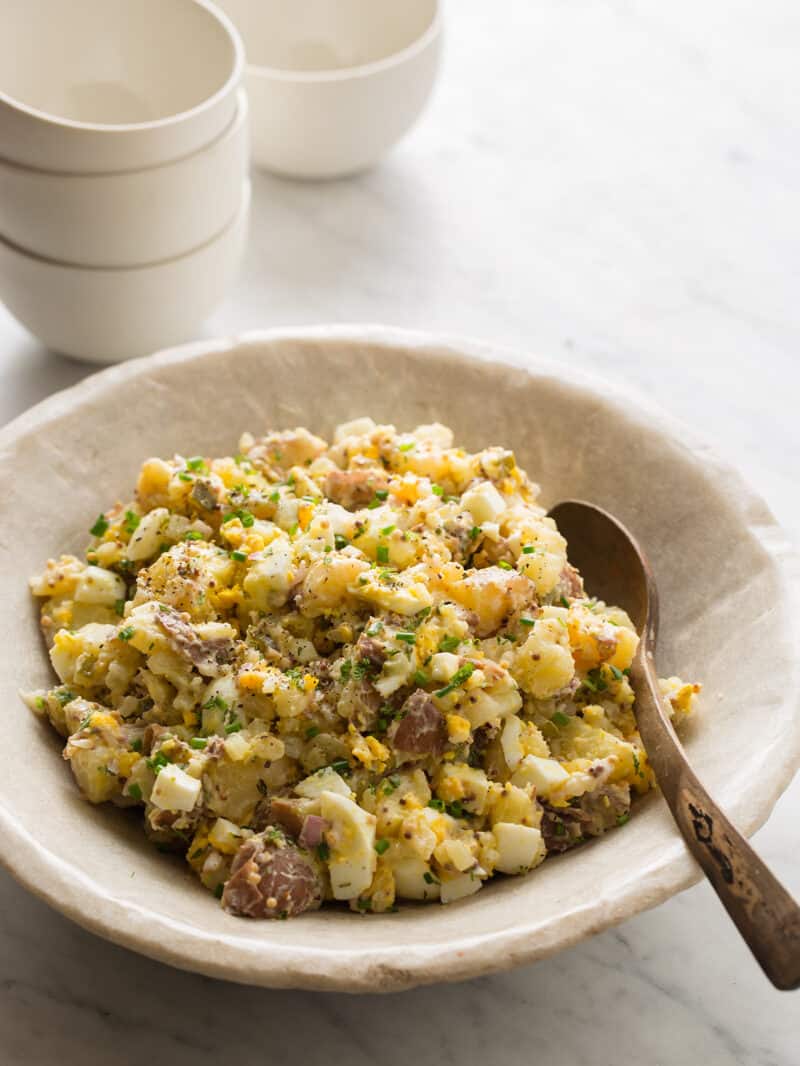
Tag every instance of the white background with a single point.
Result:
(613, 184)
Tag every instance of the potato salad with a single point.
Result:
(361, 671)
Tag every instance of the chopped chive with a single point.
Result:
(136, 745)
(615, 671)
(406, 638)
(198, 743)
(420, 678)
(459, 677)
(323, 851)
(218, 891)
(340, 766)
(429, 879)
(437, 804)
(340, 541)
(184, 476)
(157, 762)
(408, 446)
(126, 633)
(504, 565)
(560, 719)
(387, 530)
(475, 532)
(131, 522)
(311, 732)
(274, 497)
(196, 463)
(239, 557)
(233, 727)
(437, 490)
(623, 818)
(528, 549)
(449, 643)
(134, 791)
(382, 553)
(100, 526)
(527, 621)
(381, 845)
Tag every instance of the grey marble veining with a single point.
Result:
(613, 185)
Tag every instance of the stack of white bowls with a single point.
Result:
(123, 170)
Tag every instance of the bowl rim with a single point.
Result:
(11, 249)
(232, 129)
(329, 75)
(237, 66)
(68, 890)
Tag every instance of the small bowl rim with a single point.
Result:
(240, 117)
(121, 128)
(360, 70)
(12, 249)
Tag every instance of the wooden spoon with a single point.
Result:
(616, 570)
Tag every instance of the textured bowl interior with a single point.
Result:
(726, 580)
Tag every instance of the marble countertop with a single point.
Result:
(612, 183)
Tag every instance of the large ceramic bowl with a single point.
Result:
(728, 583)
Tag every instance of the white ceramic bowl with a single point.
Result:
(106, 315)
(106, 85)
(728, 580)
(334, 84)
(132, 217)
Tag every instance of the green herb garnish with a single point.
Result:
(100, 526)
(459, 677)
(157, 762)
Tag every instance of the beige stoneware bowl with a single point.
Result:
(729, 584)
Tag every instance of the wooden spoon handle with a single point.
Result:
(764, 912)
